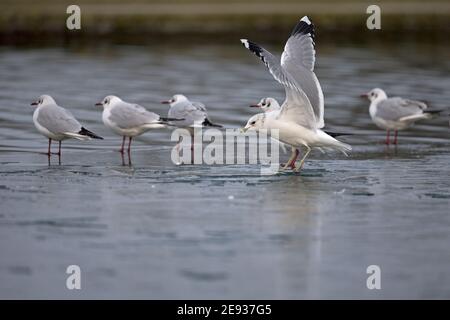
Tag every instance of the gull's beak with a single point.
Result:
(34, 103)
(365, 95)
(99, 104)
(255, 106)
(165, 102)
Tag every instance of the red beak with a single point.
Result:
(254, 106)
(165, 102)
(365, 95)
(98, 104)
(34, 103)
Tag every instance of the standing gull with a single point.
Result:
(57, 123)
(302, 114)
(193, 113)
(395, 113)
(128, 119)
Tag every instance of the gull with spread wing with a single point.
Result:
(301, 116)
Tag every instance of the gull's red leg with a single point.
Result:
(49, 147)
(129, 146)
(123, 145)
(192, 149)
(59, 149)
(387, 137)
(395, 136)
(292, 163)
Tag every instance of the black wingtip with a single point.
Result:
(88, 133)
(304, 27)
(170, 119)
(253, 47)
(207, 123)
(435, 111)
(337, 134)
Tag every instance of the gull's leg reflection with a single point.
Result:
(387, 142)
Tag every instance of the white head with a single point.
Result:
(175, 99)
(376, 94)
(108, 101)
(255, 123)
(43, 100)
(267, 104)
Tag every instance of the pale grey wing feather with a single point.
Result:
(200, 106)
(127, 115)
(57, 119)
(192, 115)
(296, 108)
(310, 85)
(395, 108)
(300, 48)
(295, 97)
(298, 59)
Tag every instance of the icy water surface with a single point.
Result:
(157, 230)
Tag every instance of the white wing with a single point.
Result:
(298, 59)
(300, 110)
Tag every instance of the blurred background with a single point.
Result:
(24, 21)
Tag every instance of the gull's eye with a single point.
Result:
(253, 122)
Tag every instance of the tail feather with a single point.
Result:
(90, 134)
(343, 147)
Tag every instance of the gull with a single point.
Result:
(57, 123)
(193, 113)
(395, 113)
(128, 119)
(271, 107)
(301, 116)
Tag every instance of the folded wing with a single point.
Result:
(395, 109)
(58, 120)
(127, 115)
